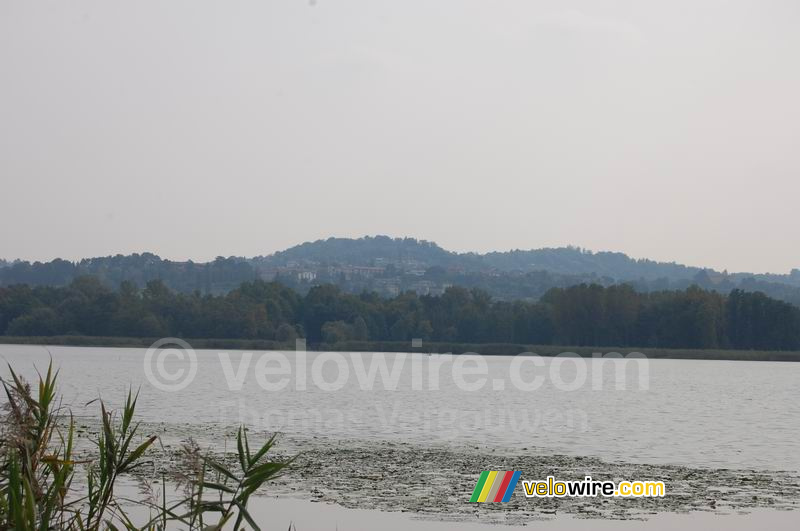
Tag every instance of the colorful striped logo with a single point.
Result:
(494, 486)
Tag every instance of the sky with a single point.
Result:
(192, 129)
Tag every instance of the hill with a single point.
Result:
(391, 265)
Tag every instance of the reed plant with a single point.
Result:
(38, 473)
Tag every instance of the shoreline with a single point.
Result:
(486, 349)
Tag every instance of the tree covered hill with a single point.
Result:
(367, 251)
(390, 266)
(381, 250)
(377, 250)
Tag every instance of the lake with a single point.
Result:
(713, 414)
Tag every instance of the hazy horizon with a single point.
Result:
(195, 129)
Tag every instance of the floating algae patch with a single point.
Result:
(439, 482)
(435, 482)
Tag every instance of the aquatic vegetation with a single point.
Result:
(39, 467)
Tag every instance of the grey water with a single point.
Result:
(716, 414)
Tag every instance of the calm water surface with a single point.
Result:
(701, 413)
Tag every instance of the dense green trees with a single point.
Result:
(581, 315)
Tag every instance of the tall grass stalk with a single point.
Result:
(37, 469)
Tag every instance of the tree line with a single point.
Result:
(507, 276)
(580, 315)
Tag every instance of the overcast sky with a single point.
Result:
(668, 130)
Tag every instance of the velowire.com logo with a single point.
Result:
(494, 486)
